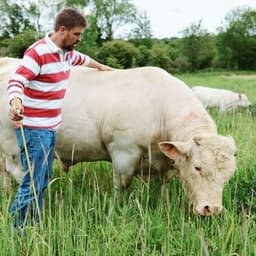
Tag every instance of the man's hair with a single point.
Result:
(70, 18)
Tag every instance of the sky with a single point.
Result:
(169, 17)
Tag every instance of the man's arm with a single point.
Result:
(27, 70)
(78, 58)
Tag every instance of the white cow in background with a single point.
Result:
(142, 120)
(222, 99)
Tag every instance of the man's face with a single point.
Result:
(71, 37)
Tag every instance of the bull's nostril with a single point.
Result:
(207, 210)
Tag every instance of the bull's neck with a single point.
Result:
(193, 125)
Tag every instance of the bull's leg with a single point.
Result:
(13, 167)
(5, 181)
(124, 165)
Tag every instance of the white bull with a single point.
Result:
(222, 99)
(143, 119)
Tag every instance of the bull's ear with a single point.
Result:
(174, 150)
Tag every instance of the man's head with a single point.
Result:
(70, 18)
(69, 25)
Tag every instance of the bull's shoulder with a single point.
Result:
(7, 67)
(7, 60)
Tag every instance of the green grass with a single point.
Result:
(81, 217)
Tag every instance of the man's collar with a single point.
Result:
(52, 45)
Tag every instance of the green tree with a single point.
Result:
(111, 15)
(198, 46)
(236, 44)
(88, 44)
(143, 58)
(15, 47)
(142, 27)
(13, 19)
(43, 21)
(75, 3)
(141, 34)
(159, 55)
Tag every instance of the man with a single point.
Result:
(36, 92)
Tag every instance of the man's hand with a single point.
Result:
(16, 110)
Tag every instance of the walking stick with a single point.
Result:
(17, 105)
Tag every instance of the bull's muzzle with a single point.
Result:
(206, 209)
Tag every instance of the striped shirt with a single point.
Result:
(41, 80)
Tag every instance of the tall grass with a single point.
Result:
(82, 218)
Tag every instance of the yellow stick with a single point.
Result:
(17, 104)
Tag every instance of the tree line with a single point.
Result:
(233, 47)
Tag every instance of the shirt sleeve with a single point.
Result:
(27, 70)
(78, 58)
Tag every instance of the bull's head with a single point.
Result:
(205, 165)
(244, 101)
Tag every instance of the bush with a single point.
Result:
(144, 56)
(181, 64)
(16, 46)
(159, 56)
(118, 53)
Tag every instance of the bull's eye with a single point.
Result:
(198, 169)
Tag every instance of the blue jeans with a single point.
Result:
(40, 144)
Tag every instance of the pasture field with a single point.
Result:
(81, 217)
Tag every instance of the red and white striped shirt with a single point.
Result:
(41, 80)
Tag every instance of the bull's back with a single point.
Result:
(140, 105)
(140, 90)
